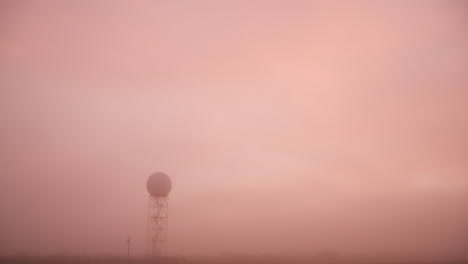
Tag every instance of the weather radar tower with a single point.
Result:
(159, 185)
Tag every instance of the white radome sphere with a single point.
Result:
(159, 184)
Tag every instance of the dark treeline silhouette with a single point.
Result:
(224, 259)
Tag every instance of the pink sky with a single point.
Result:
(288, 127)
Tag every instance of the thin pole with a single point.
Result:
(128, 249)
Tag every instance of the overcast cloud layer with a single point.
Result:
(288, 127)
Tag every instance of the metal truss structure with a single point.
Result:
(157, 226)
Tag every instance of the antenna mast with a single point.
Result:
(128, 249)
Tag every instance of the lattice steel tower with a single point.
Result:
(159, 185)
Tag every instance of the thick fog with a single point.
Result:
(287, 127)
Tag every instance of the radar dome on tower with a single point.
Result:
(159, 184)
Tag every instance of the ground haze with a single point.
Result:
(288, 128)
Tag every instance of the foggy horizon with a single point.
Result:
(287, 127)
